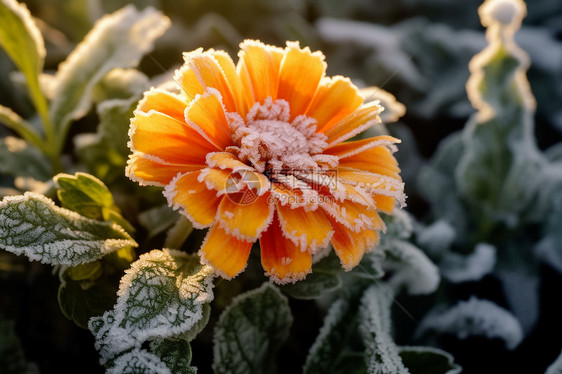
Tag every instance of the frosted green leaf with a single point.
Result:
(158, 219)
(138, 361)
(459, 268)
(22, 41)
(120, 40)
(162, 295)
(421, 360)
(250, 331)
(323, 279)
(436, 238)
(555, 367)
(175, 354)
(474, 317)
(381, 353)
(88, 196)
(328, 349)
(18, 158)
(410, 268)
(32, 225)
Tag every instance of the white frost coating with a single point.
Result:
(393, 109)
(458, 268)
(268, 139)
(138, 361)
(555, 367)
(475, 317)
(161, 295)
(437, 237)
(412, 269)
(381, 353)
(120, 39)
(506, 12)
(32, 225)
(456, 369)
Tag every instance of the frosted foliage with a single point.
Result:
(330, 340)
(161, 295)
(555, 367)
(120, 40)
(437, 237)
(381, 354)
(475, 317)
(411, 268)
(268, 139)
(138, 361)
(33, 226)
(458, 268)
(506, 12)
(250, 331)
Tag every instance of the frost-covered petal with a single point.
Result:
(282, 260)
(258, 69)
(171, 140)
(355, 123)
(164, 102)
(310, 230)
(299, 76)
(350, 246)
(226, 254)
(245, 220)
(202, 70)
(206, 115)
(193, 199)
(378, 160)
(152, 171)
(336, 99)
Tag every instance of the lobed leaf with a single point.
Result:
(381, 353)
(162, 295)
(138, 361)
(32, 225)
(120, 40)
(250, 331)
(323, 279)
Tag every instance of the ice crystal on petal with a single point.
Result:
(269, 141)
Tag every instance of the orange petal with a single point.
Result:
(350, 246)
(378, 160)
(352, 215)
(258, 69)
(348, 149)
(163, 102)
(152, 172)
(201, 71)
(226, 254)
(232, 182)
(168, 139)
(299, 77)
(336, 99)
(193, 198)
(376, 183)
(384, 204)
(226, 160)
(310, 230)
(282, 260)
(245, 221)
(242, 100)
(206, 115)
(355, 123)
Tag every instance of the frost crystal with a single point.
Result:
(270, 140)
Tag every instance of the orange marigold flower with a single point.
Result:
(258, 151)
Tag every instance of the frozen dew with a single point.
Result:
(271, 141)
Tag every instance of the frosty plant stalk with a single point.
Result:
(274, 128)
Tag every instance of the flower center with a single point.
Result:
(270, 142)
